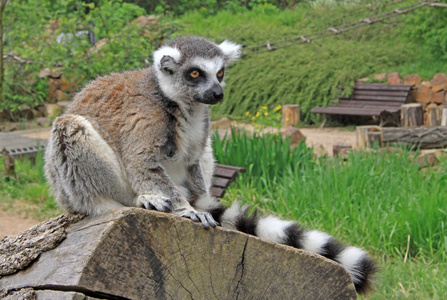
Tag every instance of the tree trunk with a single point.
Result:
(412, 115)
(132, 253)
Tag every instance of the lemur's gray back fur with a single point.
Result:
(142, 138)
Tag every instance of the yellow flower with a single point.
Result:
(278, 107)
(257, 114)
(266, 114)
(253, 118)
(287, 119)
(234, 121)
(247, 113)
(264, 107)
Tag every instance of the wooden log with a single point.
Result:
(444, 117)
(411, 115)
(434, 115)
(362, 133)
(132, 253)
(375, 139)
(290, 115)
(426, 137)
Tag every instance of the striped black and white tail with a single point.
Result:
(355, 260)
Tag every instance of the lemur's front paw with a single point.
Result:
(156, 202)
(204, 217)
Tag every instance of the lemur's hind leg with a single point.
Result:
(83, 170)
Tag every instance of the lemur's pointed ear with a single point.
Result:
(231, 50)
(166, 59)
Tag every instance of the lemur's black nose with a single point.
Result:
(217, 92)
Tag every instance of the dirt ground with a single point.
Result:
(322, 140)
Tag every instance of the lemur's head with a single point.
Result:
(192, 68)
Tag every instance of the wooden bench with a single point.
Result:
(223, 176)
(375, 100)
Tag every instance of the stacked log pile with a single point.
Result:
(430, 94)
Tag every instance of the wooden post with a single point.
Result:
(434, 114)
(363, 132)
(290, 115)
(411, 115)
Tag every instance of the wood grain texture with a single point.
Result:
(133, 253)
(411, 115)
(424, 137)
(18, 251)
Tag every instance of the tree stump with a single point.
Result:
(132, 253)
(290, 115)
(364, 137)
(434, 115)
(411, 115)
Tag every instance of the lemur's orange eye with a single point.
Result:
(194, 74)
(220, 73)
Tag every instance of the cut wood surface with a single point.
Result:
(133, 253)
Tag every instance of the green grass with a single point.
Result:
(28, 194)
(308, 74)
(382, 202)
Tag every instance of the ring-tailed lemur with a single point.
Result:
(142, 138)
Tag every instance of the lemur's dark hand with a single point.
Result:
(204, 217)
(156, 202)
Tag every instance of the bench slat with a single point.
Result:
(377, 86)
(221, 182)
(354, 103)
(353, 111)
(217, 192)
(238, 169)
(225, 173)
(379, 98)
(399, 94)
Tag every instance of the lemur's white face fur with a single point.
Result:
(192, 68)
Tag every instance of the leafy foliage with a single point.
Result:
(427, 27)
(310, 74)
(208, 7)
(51, 39)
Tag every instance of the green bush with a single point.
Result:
(28, 35)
